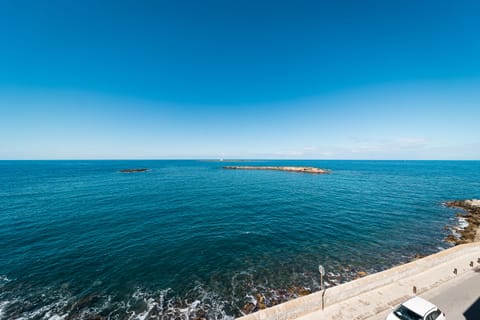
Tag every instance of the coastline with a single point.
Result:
(430, 271)
(471, 215)
(375, 295)
(468, 234)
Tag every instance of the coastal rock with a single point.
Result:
(361, 274)
(474, 203)
(248, 308)
(133, 170)
(471, 216)
(464, 204)
(261, 302)
(303, 291)
(299, 291)
(451, 239)
(418, 256)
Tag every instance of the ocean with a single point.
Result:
(190, 240)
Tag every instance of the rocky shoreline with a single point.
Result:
(471, 215)
(290, 169)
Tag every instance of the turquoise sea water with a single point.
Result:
(188, 239)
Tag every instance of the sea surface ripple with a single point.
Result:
(189, 240)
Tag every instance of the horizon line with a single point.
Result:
(228, 159)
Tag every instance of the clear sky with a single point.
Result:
(239, 79)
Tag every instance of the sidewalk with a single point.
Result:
(374, 295)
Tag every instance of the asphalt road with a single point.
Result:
(459, 299)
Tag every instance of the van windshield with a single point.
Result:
(403, 313)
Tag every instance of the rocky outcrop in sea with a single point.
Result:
(290, 169)
(134, 170)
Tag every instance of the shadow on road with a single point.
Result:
(473, 312)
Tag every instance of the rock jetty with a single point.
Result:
(471, 215)
(133, 170)
(290, 169)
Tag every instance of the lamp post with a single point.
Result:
(321, 269)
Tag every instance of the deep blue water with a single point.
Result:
(188, 239)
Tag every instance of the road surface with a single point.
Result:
(459, 299)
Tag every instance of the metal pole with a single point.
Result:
(321, 269)
(321, 281)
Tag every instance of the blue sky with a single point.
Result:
(239, 79)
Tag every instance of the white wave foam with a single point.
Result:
(251, 299)
(54, 317)
(169, 306)
(48, 311)
(142, 305)
(462, 222)
(151, 305)
(4, 278)
(45, 310)
(3, 305)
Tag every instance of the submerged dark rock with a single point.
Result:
(84, 303)
(133, 170)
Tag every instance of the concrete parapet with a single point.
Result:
(424, 274)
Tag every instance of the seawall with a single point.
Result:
(380, 291)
